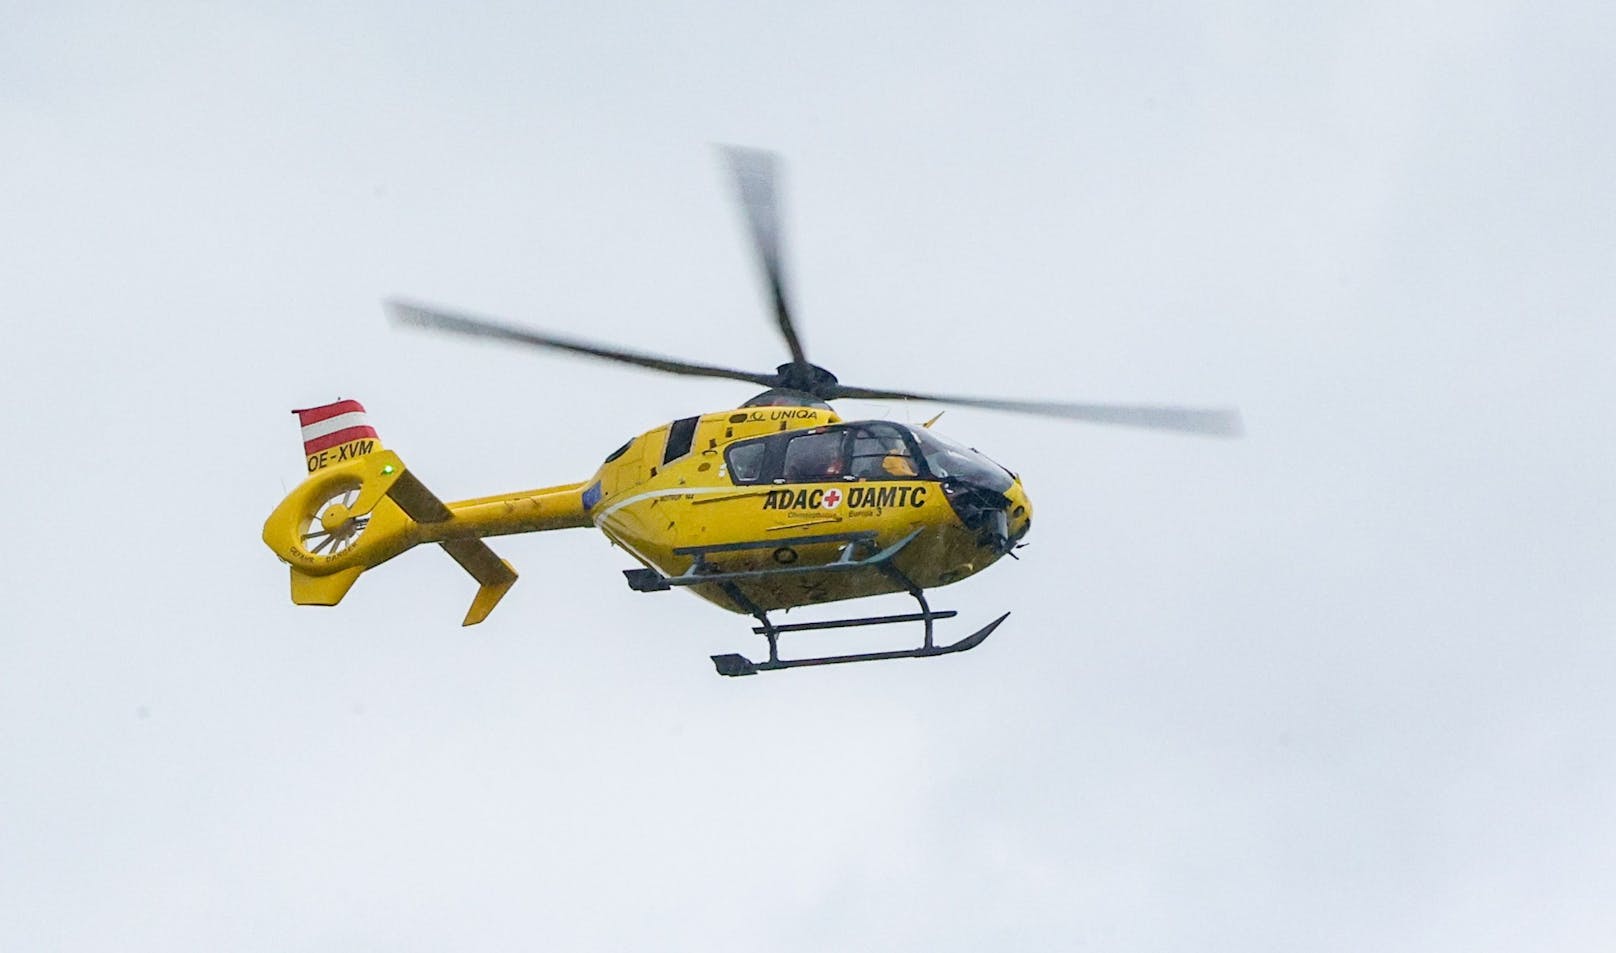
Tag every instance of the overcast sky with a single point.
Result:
(1343, 685)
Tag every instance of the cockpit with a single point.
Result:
(864, 450)
(874, 450)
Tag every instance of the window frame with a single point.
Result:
(772, 469)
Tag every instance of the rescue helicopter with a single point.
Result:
(775, 504)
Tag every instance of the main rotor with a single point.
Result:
(755, 174)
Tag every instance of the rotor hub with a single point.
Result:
(786, 397)
(808, 378)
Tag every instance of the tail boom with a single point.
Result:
(356, 514)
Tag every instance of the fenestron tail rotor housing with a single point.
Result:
(331, 528)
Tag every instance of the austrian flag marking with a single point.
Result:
(333, 425)
(833, 498)
(335, 433)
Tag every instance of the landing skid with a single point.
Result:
(703, 573)
(736, 665)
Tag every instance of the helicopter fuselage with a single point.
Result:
(763, 488)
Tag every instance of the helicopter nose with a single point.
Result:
(1019, 514)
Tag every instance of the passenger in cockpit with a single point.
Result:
(881, 453)
(814, 457)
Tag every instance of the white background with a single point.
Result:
(1342, 685)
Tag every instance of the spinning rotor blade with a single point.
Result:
(1217, 423)
(754, 172)
(423, 316)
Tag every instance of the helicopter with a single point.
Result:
(775, 504)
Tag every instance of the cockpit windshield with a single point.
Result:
(948, 458)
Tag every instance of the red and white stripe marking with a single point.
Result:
(326, 427)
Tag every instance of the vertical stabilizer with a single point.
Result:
(335, 433)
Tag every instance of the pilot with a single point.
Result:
(897, 462)
(880, 455)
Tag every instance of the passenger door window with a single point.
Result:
(746, 461)
(816, 458)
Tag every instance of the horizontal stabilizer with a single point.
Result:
(494, 575)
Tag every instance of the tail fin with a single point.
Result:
(360, 507)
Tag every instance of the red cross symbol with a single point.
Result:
(832, 497)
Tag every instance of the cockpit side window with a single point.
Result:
(816, 457)
(868, 451)
(880, 452)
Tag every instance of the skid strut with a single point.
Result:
(736, 665)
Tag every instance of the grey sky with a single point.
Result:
(1342, 685)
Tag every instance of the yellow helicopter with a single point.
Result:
(775, 504)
